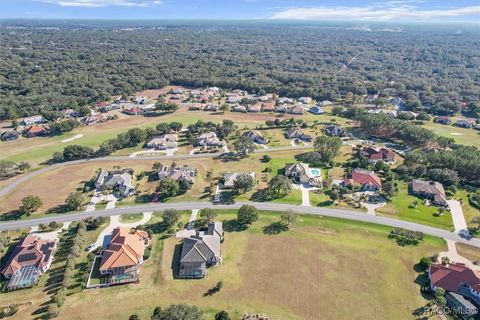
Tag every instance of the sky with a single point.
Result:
(361, 10)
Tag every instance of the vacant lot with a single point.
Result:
(312, 269)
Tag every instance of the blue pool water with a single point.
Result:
(315, 172)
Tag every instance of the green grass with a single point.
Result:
(96, 277)
(294, 197)
(460, 135)
(130, 218)
(399, 207)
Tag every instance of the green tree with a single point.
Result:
(247, 214)
(327, 147)
(74, 200)
(163, 128)
(244, 145)
(24, 166)
(207, 215)
(30, 204)
(168, 188)
(134, 317)
(176, 126)
(288, 217)
(7, 168)
(179, 312)
(279, 186)
(171, 217)
(243, 183)
(222, 315)
(75, 152)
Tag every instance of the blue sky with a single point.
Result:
(366, 10)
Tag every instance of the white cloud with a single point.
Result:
(103, 3)
(391, 10)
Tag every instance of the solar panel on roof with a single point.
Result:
(27, 257)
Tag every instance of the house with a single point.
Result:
(430, 190)
(70, 113)
(265, 98)
(102, 104)
(32, 120)
(229, 178)
(368, 180)
(256, 136)
(234, 99)
(296, 110)
(195, 107)
(163, 142)
(463, 124)
(302, 173)
(443, 120)
(176, 91)
(297, 133)
(253, 108)
(316, 110)
(9, 135)
(148, 108)
(463, 307)
(268, 107)
(31, 257)
(123, 255)
(120, 181)
(201, 251)
(208, 139)
(456, 278)
(211, 108)
(239, 108)
(281, 108)
(305, 100)
(131, 111)
(285, 100)
(93, 119)
(325, 103)
(177, 97)
(334, 130)
(35, 130)
(177, 173)
(377, 154)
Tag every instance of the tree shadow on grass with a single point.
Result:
(11, 215)
(261, 195)
(233, 226)
(275, 228)
(325, 203)
(176, 260)
(62, 208)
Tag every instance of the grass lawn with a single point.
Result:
(130, 218)
(469, 252)
(460, 135)
(398, 207)
(294, 197)
(96, 278)
(468, 211)
(298, 272)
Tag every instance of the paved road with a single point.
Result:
(8, 188)
(336, 213)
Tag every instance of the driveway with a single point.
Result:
(53, 235)
(371, 207)
(105, 236)
(98, 197)
(190, 229)
(305, 189)
(453, 255)
(457, 215)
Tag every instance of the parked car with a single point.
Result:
(90, 247)
(464, 233)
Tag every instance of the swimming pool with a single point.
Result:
(315, 172)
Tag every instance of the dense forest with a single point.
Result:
(57, 65)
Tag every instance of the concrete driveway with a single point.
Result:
(453, 255)
(105, 236)
(457, 215)
(53, 235)
(371, 207)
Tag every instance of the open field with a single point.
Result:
(399, 208)
(322, 250)
(469, 252)
(460, 135)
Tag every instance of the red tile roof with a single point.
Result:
(364, 177)
(125, 249)
(449, 277)
(30, 251)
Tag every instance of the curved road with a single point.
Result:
(11, 186)
(336, 213)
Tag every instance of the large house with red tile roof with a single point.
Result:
(457, 278)
(377, 154)
(35, 131)
(123, 255)
(368, 180)
(30, 258)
